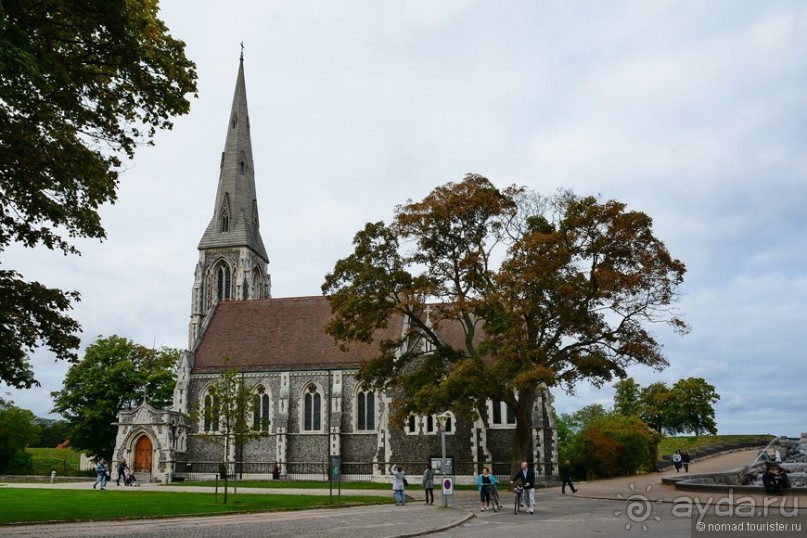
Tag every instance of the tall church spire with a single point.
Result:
(233, 264)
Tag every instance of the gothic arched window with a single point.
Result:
(428, 424)
(225, 214)
(257, 283)
(312, 409)
(211, 414)
(223, 283)
(365, 410)
(501, 415)
(261, 406)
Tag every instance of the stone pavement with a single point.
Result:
(592, 510)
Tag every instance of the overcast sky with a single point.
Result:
(693, 112)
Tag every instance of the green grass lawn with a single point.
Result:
(67, 454)
(48, 505)
(669, 444)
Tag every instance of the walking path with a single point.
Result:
(650, 484)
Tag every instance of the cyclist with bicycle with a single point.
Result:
(527, 478)
(484, 483)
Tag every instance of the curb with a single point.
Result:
(468, 516)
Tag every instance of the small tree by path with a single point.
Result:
(227, 419)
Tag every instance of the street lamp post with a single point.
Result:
(442, 418)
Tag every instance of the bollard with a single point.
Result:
(52, 477)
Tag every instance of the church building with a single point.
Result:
(306, 401)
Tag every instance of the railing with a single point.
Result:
(44, 466)
(464, 472)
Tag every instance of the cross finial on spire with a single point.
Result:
(242, 51)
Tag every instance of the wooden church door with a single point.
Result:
(143, 451)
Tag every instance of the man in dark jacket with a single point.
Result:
(566, 476)
(527, 478)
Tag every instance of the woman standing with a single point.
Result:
(484, 483)
(428, 483)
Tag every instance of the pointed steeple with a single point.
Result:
(235, 215)
(233, 264)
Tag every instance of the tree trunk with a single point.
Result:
(522, 439)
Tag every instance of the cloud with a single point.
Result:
(693, 113)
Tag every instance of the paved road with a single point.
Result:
(359, 522)
(619, 507)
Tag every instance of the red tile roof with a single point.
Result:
(278, 334)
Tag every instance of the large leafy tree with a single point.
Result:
(115, 374)
(629, 446)
(693, 402)
(627, 399)
(547, 290)
(571, 425)
(53, 432)
(17, 431)
(82, 85)
(655, 407)
(687, 406)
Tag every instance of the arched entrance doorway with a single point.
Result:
(143, 451)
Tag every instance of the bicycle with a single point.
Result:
(495, 503)
(519, 491)
(494, 498)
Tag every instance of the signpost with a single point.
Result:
(448, 485)
(335, 474)
(448, 481)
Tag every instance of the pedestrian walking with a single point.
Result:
(122, 468)
(676, 459)
(566, 477)
(100, 471)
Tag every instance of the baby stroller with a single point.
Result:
(130, 479)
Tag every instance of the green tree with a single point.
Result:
(655, 408)
(691, 402)
(566, 434)
(83, 83)
(579, 281)
(17, 431)
(570, 426)
(115, 374)
(628, 446)
(53, 432)
(627, 399)
(583, 417)
(233, 404)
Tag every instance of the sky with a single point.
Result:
(692, 112)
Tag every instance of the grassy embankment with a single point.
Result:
(669, 444)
